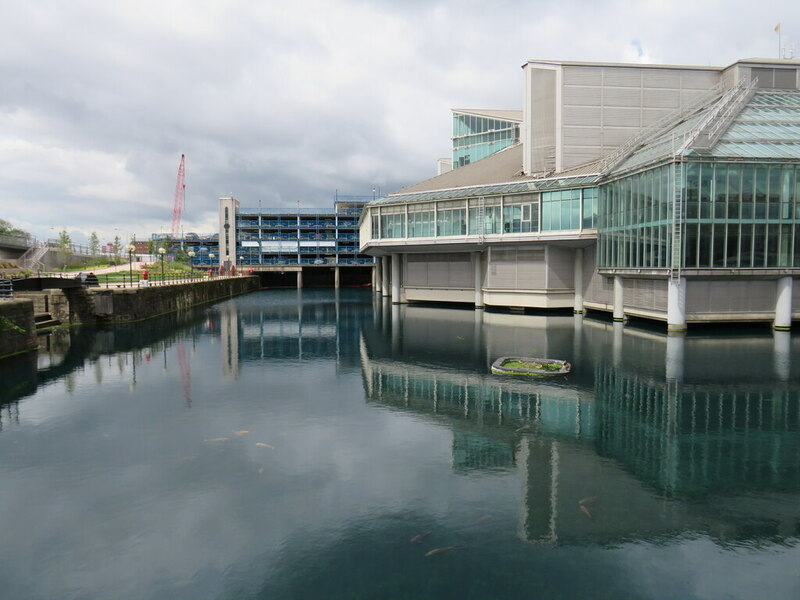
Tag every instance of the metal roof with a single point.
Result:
(490, 113)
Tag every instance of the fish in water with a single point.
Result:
(436, 551)
(243, 432)
(419, 537)
(263, 445)
(585, 511)
(524, 428)
(217, 440)
(588, 500)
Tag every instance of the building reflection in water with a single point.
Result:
(658, 436)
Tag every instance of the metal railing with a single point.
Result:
(6, 289)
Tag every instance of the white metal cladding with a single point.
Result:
(621, 117)
(738, 296)
(599, 289)
(647, 294)
(661, 78)
(516, 268)
(699, 80)
(622, 76)
(582, 115)
(439, 270)
(560, 268)
(574, 75)
(582, 96)
(624, 97)
(661, 98)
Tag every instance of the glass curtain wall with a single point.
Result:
(421, 219)
(634, 218)
(737, 216)
(490, 221)
(742, 215)
(451, 218)
(393, 221)
(476, 137)
(520, 213)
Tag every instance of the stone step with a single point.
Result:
(44, 321)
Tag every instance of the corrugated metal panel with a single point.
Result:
(647, 294)
(625, 97)
(621, 76)
(709, 297)
(585, 96)
(651, 115)
(581, 115)
(661, 78)
(530, 269)
(616, 136)
(621, 117)
(438, 270)
(560, 268)
(584, 136)
(661, 99)
(599, 289)
(573, 75)
(699, 80)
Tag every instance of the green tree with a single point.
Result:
(117, 247)
(94, 244)
(7, 228)
(64, 241)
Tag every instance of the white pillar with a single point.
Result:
(783, 305)
(619, 299)
(676, 305)
(478, 267)
(376, 276)
(578, 281)
(385, 289)
(336, 277)
(300, 278)
(395, 279)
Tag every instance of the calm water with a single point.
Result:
(291, 445)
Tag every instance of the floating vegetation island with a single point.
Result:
(531, 367)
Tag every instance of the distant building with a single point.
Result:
(665, 192)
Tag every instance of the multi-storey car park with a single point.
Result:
(665, 192)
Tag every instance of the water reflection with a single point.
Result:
(290, 444)
(660, 436)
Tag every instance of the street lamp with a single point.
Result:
(130, 249)
(162, 252)
(191, 255)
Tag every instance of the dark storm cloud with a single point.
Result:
(289, 102)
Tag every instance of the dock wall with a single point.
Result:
(95, 306)
(17, 331)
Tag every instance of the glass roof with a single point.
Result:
(768, 127)
(530, 185)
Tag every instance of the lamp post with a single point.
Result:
(162, 252)
(211, 258)
(130, 249)
(191, 255)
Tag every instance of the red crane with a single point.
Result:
(177, 206)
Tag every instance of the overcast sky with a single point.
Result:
(280, 102)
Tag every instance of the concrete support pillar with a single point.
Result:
(336, 277)
(300, 279)
(395, 279)
(676, 305)
(578, 281)
(616, 343)
(385, 283)
(783, 305)
(619, 299)
(377, 274)
(477, 262)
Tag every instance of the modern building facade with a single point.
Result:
(666, 192)
(480, 133)
(270, 239)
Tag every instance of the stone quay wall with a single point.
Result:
(17, 330)
(95, 306)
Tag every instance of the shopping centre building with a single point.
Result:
(665, 192)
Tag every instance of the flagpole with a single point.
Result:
(778, 31)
